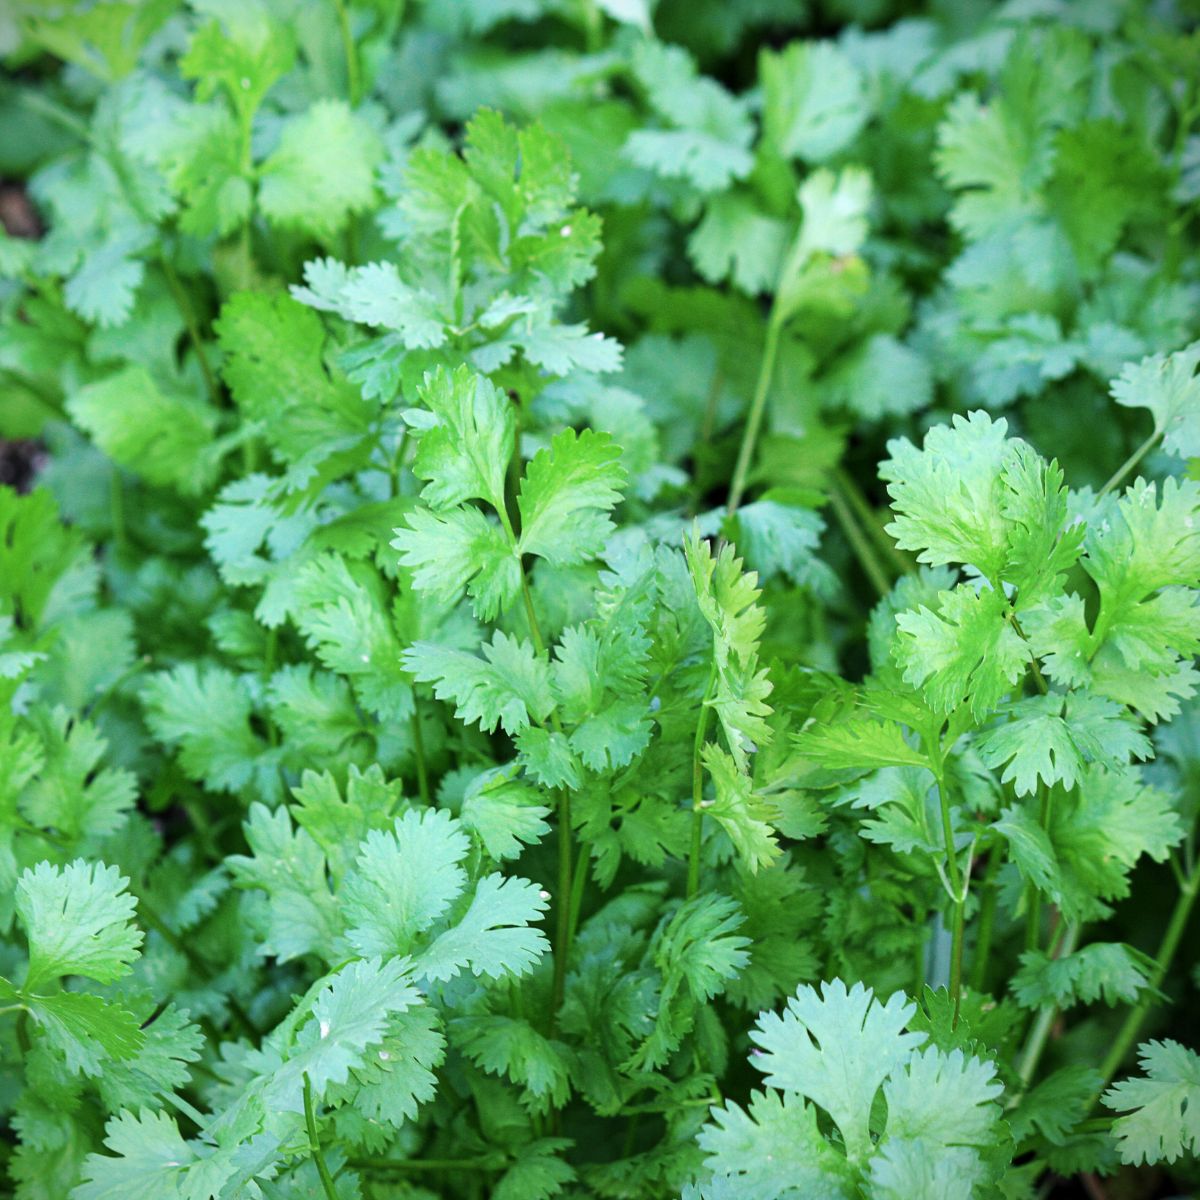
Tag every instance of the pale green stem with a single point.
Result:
(758, 403)
(314, 1143)
(353, 79)
(859, 543)
(1039, 1035)
(1129, 464)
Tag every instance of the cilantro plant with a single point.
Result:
(599, 599)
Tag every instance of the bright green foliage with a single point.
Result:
(1159, 1112)
(837, 1049)
(556, 545)
(78, 922)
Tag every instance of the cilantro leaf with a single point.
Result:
(1161, 1118)
(1168, 387)
(836, 1048)
(403, 881)
(79, 921)
(566, 495)
(322, 171)
(509, 686)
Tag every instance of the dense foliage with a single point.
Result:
(608, 603)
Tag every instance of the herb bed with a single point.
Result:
(598, 599)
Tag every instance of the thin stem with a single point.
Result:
(353, 78)
(578, 881)
(418, 739)
(956, 880)
(987, 922)
(758, 403)
(314, 1143)
(483, 1162)
(1132, 1026)
(1039, 1035)
(693, 875)
(193, 330)
(844, 482)
(859, 543)
(562, 902)
(1131, 462)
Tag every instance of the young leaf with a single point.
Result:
(79, 921)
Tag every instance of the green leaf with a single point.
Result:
(86, 1030)
(505, 814)
(274, 365)
(403, 881)
(342, 610)
(813, 101)
(206, 710)
(322, 172)
(727, 600)
(287, 864)
(1167, 385)
(1051, 739)
(494, 937)
(79, 921)
(566, 496)
(856, 744)
(167, 439)
(1161, 1118)
(456, 550)
(464, 440)
(772, 1148)
(244, 56)
(708, 132)
(965, 653)
(511, 1047)
(509, 686)
(735, 240)
(742, 814)
(1102, 970)
(836, 1048)
(150, 1163)
(349, 1014)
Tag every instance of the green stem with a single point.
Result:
(353, 79)
(1132, 461)
(987, 922)
(956, 957)
(956, 880)
(314, 1143)
(693, 875)
(758, 403)
(859, 543)
(1039, 1035)
(419, 753)
(1132, 1026)
(483, 1162)
(844, 482)
(578, 881)
(562, 902)
(193, 330)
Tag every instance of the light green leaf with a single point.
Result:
(404, 881)
(566, 496)
(79, 921)
(1161, 1118)
(322, 171)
